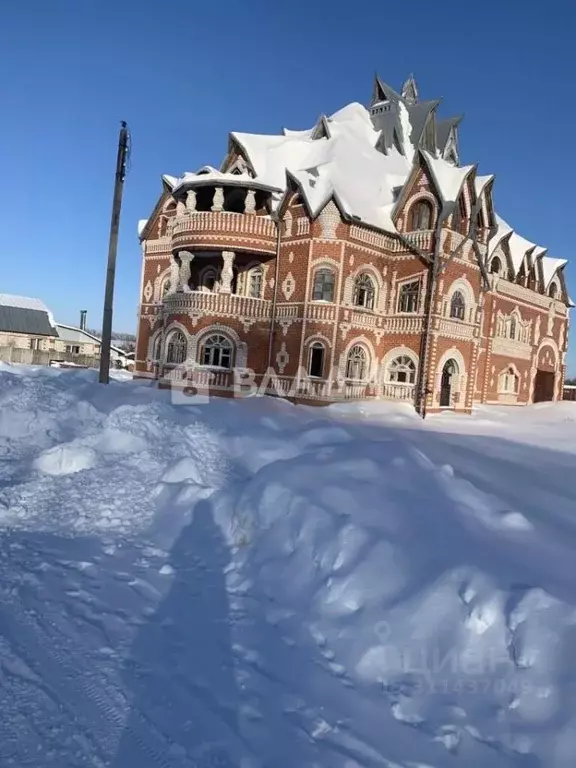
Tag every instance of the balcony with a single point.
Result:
(224, 229)
(222, 304)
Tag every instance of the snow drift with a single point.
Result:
(258, 584)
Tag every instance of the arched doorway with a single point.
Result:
(449, 372)
(545, 376)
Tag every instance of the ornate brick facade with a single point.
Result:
(434, 308)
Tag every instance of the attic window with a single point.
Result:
(236, 171)
(459, 216)
(421, 216)
(553, 291)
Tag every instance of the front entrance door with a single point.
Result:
(448, 372)
(543, 386)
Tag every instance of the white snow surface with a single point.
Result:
(252, 584)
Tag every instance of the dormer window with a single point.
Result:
(421, 216)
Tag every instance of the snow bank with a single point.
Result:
(355, 592)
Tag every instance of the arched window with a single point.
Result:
(496, 266)
(457, 306)
(357, 363)
(157, 349)
(216, 351)
(402, 370)
(508, 382)
(176, 348)
(323, 285)
(408, 296)
(421, 215)
(208, 279)
(364, 291)
(165, 287)
(316, 360)
(255, 280)
(512, 328)
(553, 290)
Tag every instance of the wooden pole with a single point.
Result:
(112, 249)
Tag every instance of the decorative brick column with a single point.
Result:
(174, 274)
(218, 199)
(191, 201)
(227, 272)
(185, 273)
(250, 202)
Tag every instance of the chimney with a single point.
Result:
(83, 313)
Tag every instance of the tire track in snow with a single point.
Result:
(65, 678)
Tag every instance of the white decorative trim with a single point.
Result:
(288, 286)
(460, 384)
(362, 341)
(329, 219)
(317, 337)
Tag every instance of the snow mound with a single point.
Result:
(251, 584)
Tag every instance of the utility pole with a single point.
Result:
(123, 142)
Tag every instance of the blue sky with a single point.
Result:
(185, 74)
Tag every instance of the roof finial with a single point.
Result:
(410, 90)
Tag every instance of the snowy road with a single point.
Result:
(234, 585)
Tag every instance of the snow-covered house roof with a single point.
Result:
(73, 335)
(362, 157)
(23, 314)
(550, 267)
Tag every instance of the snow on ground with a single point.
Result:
(259, 585)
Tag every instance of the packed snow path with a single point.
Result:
(256, 585)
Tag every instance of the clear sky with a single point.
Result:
(184, 74)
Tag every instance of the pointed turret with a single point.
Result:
(383, 93)
(410, 91)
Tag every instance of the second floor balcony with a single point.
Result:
(218, 304)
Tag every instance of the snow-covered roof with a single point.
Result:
(72, 334)
(24, 314)
(480, 183)
(210, 176)
(362, 158)
(518, 247)
(141, 224)
(449, 178)
(549, 268)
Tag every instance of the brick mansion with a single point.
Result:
(356, 259)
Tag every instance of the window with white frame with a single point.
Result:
(512, 328)
(408, 296)
(316, 360)
(176, 348)
(255, 281)
(508, 382)
(402, 370)
(157, 349)
(457, 306)
(364, 291)
(216, 351)
(357, 363)
(323, 289)
(496, 265)
(553, 291)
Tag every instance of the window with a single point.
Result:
(459, 216)
(316, 360)
(35, 343)
(508, 382)
(255, 283)
(553, 290)
(73, 349)
(408, 297)
(165, 287)
(176, 348)
(357, 363)
(421, 216)
(217, 352)
(157, 349)
(457, 306)
(512, 328)
(402, 370)
(364, 291)
(209, 279)
(496, 265)
(323, 285)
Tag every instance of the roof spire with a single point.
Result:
(410, 90)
